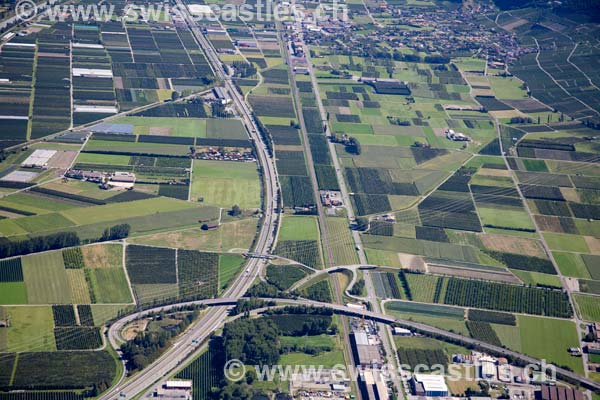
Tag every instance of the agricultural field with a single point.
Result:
(550, 339)
(233, 236)
(205, 371)
(225, 184)
(450, 318)
(64, 94)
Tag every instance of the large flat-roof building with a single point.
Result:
(429, 385)
(38, 159)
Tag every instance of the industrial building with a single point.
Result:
(429, 385)
(366, 353)
(401, 331)
(487, 367)
(373, 385)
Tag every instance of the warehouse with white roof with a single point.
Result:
(429, 385)
(38, 159)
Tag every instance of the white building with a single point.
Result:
(401, 331)
(175, 390)
(488, 368)
(38, 159)
(429, 385)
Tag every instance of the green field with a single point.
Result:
(135, 147)
(110, 285)
(564, 242)
(225, 129)
(537, 278)
(13, 293)
(229, 265)
(588, 307)
(46, 279)
(32, 329)
(340, 239)
(507, 88)
(510, 336)
(299, 228)
(95, 158)
(425, 343)
(550, 339)
(313, 341)
(571, 264)
(120, 211)
(34, 203)
(235, 235)
(448, 318)
(224, 184)
(328, 359)
(508, 218)
(195, 127)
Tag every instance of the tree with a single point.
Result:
(353, 146)
(235, 210)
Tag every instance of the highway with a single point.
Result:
(184, 347)
(376, 316)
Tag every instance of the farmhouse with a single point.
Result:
(38, 159)
(429, 385)
(330, 198)
(456, 136)
(90, 176)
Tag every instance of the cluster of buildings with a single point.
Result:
(320, 384)
(488, 368)
(107, 180)
(225, 155)
(331, 198)
(519, 383)
(456, 136)
(368, 355)
(459, 30)
(593, 347)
